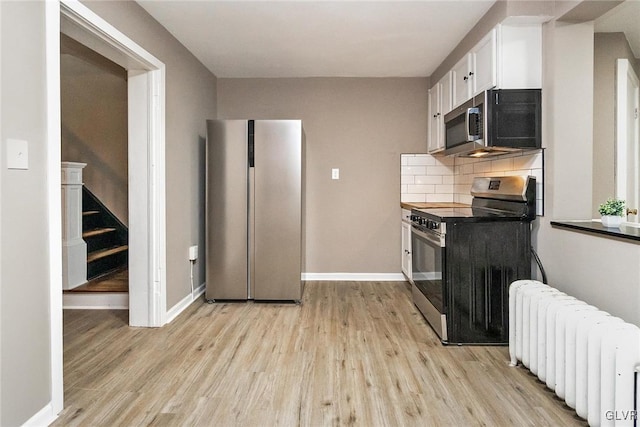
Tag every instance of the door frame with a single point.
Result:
(147, 206)
(624, 74)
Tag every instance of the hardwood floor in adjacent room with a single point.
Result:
(115, 281)
(354, 353)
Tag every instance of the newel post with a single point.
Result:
(74, 249)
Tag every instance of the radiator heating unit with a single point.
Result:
(588, 357)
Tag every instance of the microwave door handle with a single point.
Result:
(470, 111)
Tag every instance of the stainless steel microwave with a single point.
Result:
(494, 122)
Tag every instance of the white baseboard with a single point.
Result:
(184, 303)
(43, 417)
(96, 301)
(359, 277)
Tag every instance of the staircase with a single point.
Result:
(106, 237)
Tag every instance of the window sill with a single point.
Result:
(625, 232)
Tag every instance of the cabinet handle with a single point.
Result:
(465, 78)
(471, 73)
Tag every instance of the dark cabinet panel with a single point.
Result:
(488, 257)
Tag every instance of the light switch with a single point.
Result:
(335, 173)
(17, 154)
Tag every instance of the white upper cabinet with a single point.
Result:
(439, 105)
(483, 61)
(460, 81)
(508, 57)
(519, 56)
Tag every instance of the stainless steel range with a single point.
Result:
(464, 260)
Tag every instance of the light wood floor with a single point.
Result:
(354, 353)
(117, 281)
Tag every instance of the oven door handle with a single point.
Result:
(434, 238)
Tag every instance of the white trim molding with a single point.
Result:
(147, 216)
(355, 277)
(54, 206)
(184, 303)
(95, 301)
(43, 417)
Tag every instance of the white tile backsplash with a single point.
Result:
(439, 198)
(482, 167)
(426, 189)
(414, 170)
(425, 178)
(421, 160)
(501, 165)
(448, 179)
(416, 198)
(408, 179)
(428, 179)
(440, 189)
(439, 170)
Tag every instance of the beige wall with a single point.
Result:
(24, 272)
(604, 272)
(190, 100)
(94, 129)
(608, 47)
(360, 126)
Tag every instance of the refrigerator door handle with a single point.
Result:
(251, 143)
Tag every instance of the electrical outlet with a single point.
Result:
(335, 173)
(193, 253)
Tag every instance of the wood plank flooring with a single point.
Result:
(116, 281)
(354, 353)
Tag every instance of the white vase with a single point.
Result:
(611, 221)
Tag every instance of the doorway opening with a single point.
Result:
(93, 93)
(146, 171)
(628, 139)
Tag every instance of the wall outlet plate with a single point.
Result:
(335, 173)
(193, 253)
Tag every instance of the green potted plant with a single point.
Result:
(612, 212)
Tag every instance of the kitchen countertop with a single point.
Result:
(595, 227)
(431, 205)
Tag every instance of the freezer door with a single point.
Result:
(226, 209)
(278, 209)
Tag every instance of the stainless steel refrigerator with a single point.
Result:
(254, 210)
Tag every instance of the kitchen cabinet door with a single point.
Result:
(461, 89)
(483, 58)
(445, 97)
(439, 105)
(519, 56)
(434, 117)
(406, 250)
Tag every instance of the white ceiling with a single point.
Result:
(624, 18)
(307, 38)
